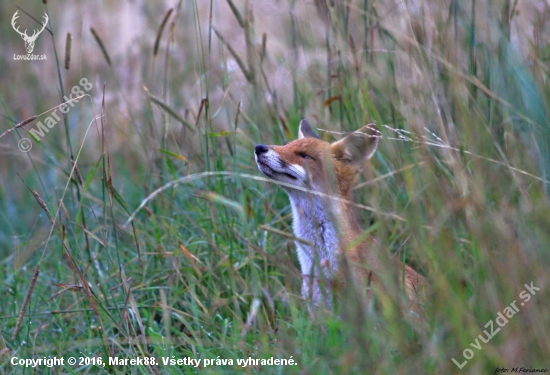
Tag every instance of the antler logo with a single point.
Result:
(29, 40)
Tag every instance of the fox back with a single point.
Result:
(318, 178)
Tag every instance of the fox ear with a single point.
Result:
(357, 147)
(305, 131)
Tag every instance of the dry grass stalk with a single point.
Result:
(41, 203)
(101, 45)
(236, 13)
(21, 124)
(26, 301)
(247, 73)
(68, 51)
(161, 29)
(77, 172)
(65, 212)
(172, 112)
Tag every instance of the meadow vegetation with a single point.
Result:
(140, 226)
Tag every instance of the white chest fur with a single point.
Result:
(314, 221)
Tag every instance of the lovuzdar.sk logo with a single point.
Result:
(29, 39)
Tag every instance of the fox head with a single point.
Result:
(312, 163)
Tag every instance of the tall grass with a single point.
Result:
(206, 267)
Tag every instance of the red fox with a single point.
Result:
(317, 171)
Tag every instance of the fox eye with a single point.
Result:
(303, 155)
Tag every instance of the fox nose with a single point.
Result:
(261, 149)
